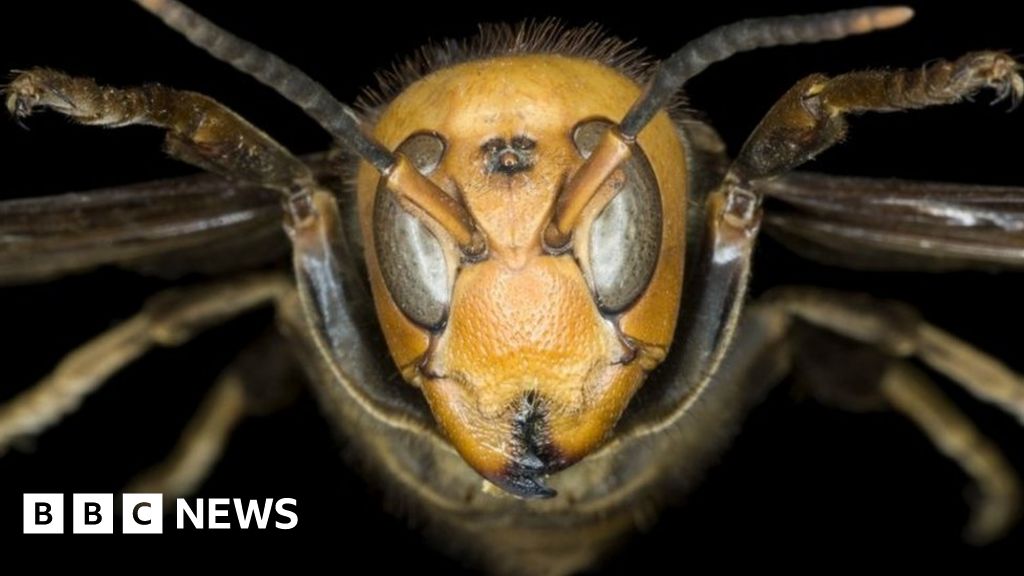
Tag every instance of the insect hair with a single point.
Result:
(529, 37)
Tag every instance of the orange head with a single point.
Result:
(527, 353)
(526, 260)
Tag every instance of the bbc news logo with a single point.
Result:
(143, 514)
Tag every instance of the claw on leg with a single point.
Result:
(200, 130)
(812, 116)
(78, 98)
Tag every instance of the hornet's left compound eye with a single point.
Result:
(624, 240)
(412, 259)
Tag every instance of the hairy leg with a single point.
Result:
(200, 130)
(811, 116)
(896, 335)
(261, 379)
(169, 319)
(996, 504)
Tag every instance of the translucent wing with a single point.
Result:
(199, 223)
(897, 224)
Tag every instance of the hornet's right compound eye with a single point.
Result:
(624, 240)
(411, 257)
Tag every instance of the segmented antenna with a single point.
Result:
(336, 118)
(725, 41)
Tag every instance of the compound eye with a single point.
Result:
(624, 240)
(412, 259)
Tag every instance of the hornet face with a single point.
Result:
(526, 353)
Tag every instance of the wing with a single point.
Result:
(199, 223)
(897, 224)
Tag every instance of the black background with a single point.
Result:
(801, 482)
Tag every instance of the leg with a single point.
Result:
(200, 130)
(169, 319)
(810, 118)
(899, 332)
(997, 504)
(260, 380)
(201, 443)
(205, 133)
(806, 121)
(896, 334)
